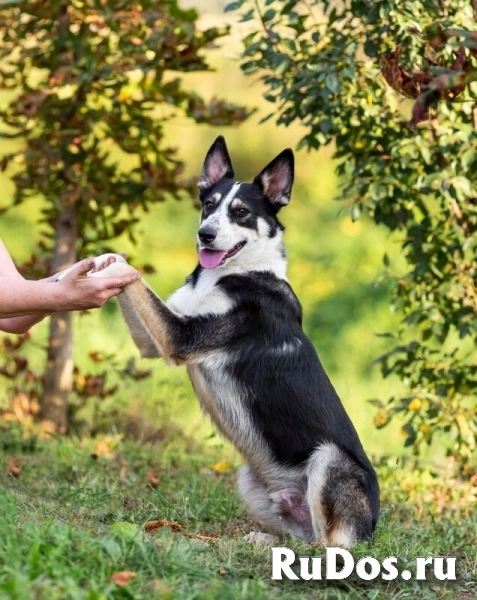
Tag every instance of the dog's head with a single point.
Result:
(239, 220)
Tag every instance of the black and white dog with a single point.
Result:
(236, 324)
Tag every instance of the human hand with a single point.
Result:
(83, 286)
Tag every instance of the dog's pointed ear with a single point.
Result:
(276, 179)
(217, 165)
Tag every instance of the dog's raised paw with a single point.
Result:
(261, 539)
(115, 269)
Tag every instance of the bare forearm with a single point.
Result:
(20, 297)
(20, 324)
(23, 303)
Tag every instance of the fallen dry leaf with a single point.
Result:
(222, 571)
(221, 466)
(14, 468)
(105, 447)
(151, 526)
(122, 578)
(152, 477)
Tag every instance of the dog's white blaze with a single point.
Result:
(219, 218)
(231, 195)
(228, 234)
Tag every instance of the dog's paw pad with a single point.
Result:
(105, 260)
(261, 539)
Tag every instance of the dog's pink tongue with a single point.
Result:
(209, 259)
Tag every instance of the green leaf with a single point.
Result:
(269, 15)
(332, 83)
(248, 16)
(231, 6)
(289, 44)
(113, 549)
(410, 434)
(125, 530)
(355, 212)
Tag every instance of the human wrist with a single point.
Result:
(57, 297)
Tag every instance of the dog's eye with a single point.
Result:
(240, 211)
(209, 205)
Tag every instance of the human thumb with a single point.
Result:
(80, 268)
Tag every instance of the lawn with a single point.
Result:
(76, 514)
(74, 511)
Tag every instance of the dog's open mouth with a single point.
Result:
(210, 259)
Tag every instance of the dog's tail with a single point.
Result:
(343, 497)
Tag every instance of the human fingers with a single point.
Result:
(79, 269)
(104, 289)
(114, 290)
(124, 280)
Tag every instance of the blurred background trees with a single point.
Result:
(328, 65)
(336, 74)
(92, 85)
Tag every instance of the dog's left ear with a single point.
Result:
(276, 179)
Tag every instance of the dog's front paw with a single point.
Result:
(261, 539)
(110, 265)
(105, 260)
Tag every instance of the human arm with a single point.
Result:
(24, 303)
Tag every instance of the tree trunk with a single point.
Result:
(59, 367)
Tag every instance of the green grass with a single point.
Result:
(70, 521)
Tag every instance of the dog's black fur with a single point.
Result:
(237, 325)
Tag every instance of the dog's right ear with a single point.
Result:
(276, 179)
(217, 165)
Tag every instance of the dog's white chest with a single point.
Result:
(205, 298)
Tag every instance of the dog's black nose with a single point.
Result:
(207, 235)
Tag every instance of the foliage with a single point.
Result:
(94, 391)
(91, 86)
(93, 83)
(436, 81)
(76, 515)
(320, 62)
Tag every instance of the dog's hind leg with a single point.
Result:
(342, 496)
(281, 511)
